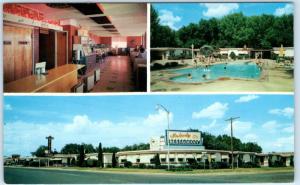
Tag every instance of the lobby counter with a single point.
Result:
(60, 79)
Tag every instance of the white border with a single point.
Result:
(296, 76)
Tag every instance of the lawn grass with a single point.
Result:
(195, 172)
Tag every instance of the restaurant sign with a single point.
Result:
(182, 137)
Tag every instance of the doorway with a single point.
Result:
(47, 48)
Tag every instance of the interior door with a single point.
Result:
(8, 54)
(17, 49)
(61, 48)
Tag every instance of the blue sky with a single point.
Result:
(176, 15)
(122, 120)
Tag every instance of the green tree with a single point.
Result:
(154, 21)
(100, 156)
(233, 30)
(111, 149)
(71, 148)
(114, 160)
(141, 146)
(156, 160)
(89, 148)
(81, 156)
(251, 147)
(40, 151)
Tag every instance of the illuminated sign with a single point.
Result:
(181, 137)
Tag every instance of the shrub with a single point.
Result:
(250, 165)
(181, 168)
(232, 56)
(292, 161)
(174, 64)
(142, 166)
(220, 165)
(157, 66)
(128, 164)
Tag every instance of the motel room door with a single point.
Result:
(61, 48)
(17, 52)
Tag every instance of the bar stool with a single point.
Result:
(89, 82)
(78, 88)
(97, 75)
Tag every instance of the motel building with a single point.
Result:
(184, 146)
(187, 145)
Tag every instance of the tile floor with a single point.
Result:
(116, 75)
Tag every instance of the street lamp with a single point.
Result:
(159, 106)
(231, 119)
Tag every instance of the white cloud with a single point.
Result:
(23, 137)
(271, 126)
(239, 127)
(8, 107)
(208, 127)
(287, 112)
(219, 9)
(289, 129)
(250, 138)
(215, 111)
(247, 98)
(169, 19)
(284, 143)
(287, 9)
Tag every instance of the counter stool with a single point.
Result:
(97, 75)
(89, 82)
(78, 88)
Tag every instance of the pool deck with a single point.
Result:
(280, 80)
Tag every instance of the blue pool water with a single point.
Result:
(244, 70)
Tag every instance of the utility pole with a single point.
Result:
(231, 119)
(159, 106)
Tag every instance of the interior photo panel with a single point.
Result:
(74, 47)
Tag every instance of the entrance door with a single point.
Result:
(17, 52)
(61, 48)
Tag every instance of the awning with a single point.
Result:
(224, 157)
(162, 155)
(190, 156)
(180, 155)
(199, 155)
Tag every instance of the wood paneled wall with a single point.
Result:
(72, 31)
(61, 55)
(17, 52)
(36, 43)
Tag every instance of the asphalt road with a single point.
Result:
(44, 176)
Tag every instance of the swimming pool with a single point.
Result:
(240, 70)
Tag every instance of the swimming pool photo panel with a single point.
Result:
(222, 47)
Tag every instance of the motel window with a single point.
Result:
(137, 160)
(163, 159)
(172, 159)
(123, 160)
(180, 159)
